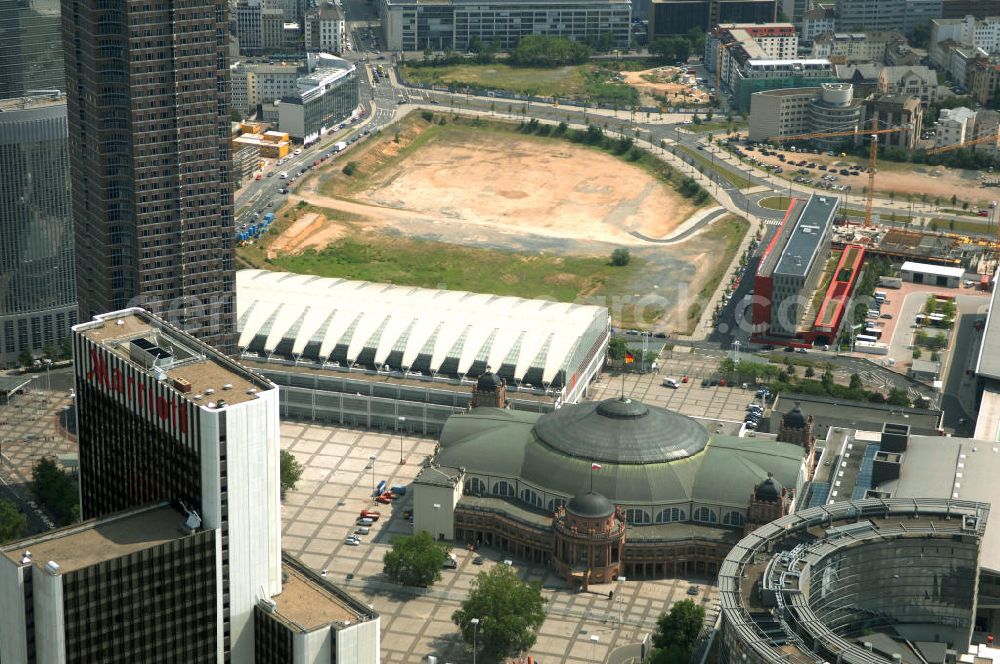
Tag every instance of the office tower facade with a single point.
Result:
(148, 107)
(37, 298)
(30, 47)
(162, 417)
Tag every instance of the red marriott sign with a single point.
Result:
(139, 391)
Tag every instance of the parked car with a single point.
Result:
(478, 560)
(670, 382)
(362, 530)
(352, 541)
(374, 515)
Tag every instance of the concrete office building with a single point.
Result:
(742, 41)
(37, 299)
(830, 107)
(817, 21)
(325, 29)
(893, 110)
(847, 47)
(150, 161)
(791, 266)
(322, 99)
(256, 83)
(413, 25)
(150, 397)
(885, 15)
(954, 126)
(750, 76)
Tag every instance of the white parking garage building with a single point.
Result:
(417, 349)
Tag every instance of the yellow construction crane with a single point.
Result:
(989, 138)
(872, 154)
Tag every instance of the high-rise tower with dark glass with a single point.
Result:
(37, 294)
(148, 99)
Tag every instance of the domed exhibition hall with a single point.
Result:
(602, 489)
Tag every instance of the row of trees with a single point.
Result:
(671, 49)
(541, 51)
(12, 521)
(783, 378)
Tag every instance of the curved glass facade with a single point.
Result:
(901, 582)
(37, 298)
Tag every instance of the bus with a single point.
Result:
(873, 332)
(865, 337)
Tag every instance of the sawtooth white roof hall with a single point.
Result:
(364, 325)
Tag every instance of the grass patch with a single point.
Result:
(591, 81)
(567, 82)
(708, 165)
(721, 128)
(728, 231)
(428, 264)
(960, 226)
(824, 283)
(779, 203)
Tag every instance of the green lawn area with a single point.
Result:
(586, 81)
(779, 203)
(729, 232)
(708, 164)
(568, 81)
(720, 127)
(415, 262)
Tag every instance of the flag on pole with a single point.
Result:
(629, 358)
(595, 466)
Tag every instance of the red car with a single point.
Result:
(374, 515)
(385, 498)
(258, 177)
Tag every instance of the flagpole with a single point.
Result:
(592, 477)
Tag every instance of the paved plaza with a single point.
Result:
(713, 403)
(337, 484)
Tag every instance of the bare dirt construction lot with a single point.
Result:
(488, 209)
(512, 184)
(671, 85)
(916, 180)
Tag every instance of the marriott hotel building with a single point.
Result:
(179, 477)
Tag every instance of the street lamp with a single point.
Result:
(402, 421)
(48, 363)
(475, 629)
(371, 462)
(593, 647)
(621, 602)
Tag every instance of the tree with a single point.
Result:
(56, 490)
(621, 257)
(617, 349)
(828, 380)
(351, 168)
(415, 560)
(291, 471)
(679, 627)
(25, 358)
(510, 612)
(897, 397)
(855, 382)
(810, 372)
(12, 522)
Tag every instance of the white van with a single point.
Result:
(283, 175)
(670, 382)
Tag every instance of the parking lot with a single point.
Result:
(337, 483)
(724, 404)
